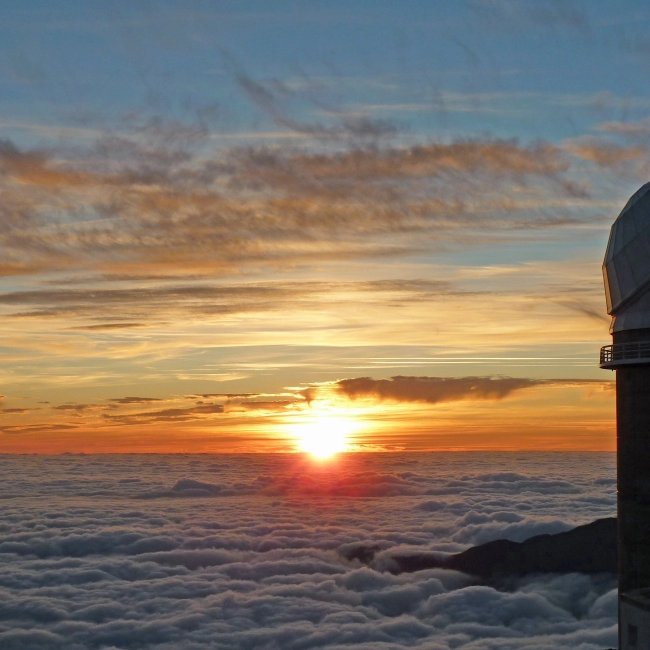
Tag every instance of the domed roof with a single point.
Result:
(627, 260)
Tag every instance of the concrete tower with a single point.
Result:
(627, 287)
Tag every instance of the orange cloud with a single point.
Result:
(607, 154)
(153, 203)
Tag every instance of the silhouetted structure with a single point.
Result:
(627, 286)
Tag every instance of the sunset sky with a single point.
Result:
(298, 225)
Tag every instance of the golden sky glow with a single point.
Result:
(277, 324)
(235, 255)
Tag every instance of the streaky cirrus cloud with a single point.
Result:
(161, 199)
(166, 415)
(278, 100)
(120, 306)
(341, 172)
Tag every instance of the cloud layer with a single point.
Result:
(257, 551)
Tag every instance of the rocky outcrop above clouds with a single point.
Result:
(591, 548)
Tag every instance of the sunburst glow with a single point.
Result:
(324, 435)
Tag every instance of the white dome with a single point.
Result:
(627, 264)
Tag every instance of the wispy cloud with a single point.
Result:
(275, 97)
(166, 415)
(607, 153)
(159, 200)
(36, 428)
(159, 302)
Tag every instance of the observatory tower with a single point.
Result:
(627, 287)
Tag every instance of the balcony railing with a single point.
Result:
(624, 354)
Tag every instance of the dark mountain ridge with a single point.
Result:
(591, 548)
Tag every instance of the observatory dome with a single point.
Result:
(626, 268)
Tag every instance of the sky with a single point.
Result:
(319, 226)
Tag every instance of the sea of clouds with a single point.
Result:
(250, 551)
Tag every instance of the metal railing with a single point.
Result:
(624, 354)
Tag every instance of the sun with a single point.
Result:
(323, 436)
